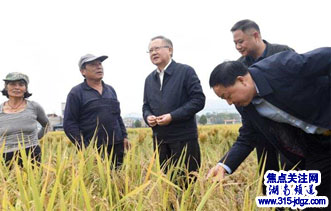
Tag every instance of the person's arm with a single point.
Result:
(120, 120)
(148, 115)
(126, 142)
(245, 143)
(123, 129)
(314, 63)
(71, 119)
(242, 147)
(42, 119)
(196, 100)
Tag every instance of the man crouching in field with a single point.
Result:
(286, 97)
(172, 97)
(92, 108)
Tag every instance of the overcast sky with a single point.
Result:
(45, 39)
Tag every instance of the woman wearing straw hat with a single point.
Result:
(19, 118)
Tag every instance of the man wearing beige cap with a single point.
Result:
(92, 112)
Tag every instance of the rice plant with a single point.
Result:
(68, 179)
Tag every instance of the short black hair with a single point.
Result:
(245, 25)
(26, 94)
(226, 73)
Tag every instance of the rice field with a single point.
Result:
(67, 179)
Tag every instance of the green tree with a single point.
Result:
(203, 120)
(137, 123)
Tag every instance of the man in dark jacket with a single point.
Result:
(92, 111)
(172, 97)
(286, 98)
(249, 43)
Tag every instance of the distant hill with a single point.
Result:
(133, 115)
(212, 105)
(217, 106)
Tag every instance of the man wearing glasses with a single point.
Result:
(172, 97)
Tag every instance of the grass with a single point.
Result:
(68, 179)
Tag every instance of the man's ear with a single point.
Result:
(82, 71)
(171, 51)
(242, 80)
(256, 35)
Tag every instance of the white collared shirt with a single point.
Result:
(161, 73)
(272, 112)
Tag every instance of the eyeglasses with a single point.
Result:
(156, 49)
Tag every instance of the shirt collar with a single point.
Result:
(165, 68)
(257, 99)
(261, 84)
(87, 87)
(264, 54)
(257, 89)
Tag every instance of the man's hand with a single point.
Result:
(164, 119)
(217, 172)
(127, 144)
(151, 120)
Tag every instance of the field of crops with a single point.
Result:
(70, 180)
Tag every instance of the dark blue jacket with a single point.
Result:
(87, 112)
(299, 84)
(181, 96)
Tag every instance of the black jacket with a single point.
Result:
(271, 49)
(297, 84)
(87, 112)
(247, 140)
(181, 96)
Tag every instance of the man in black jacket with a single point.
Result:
(286, 98)
(172, 97)
(249, 43)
